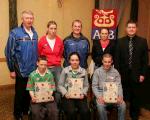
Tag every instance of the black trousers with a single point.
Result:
(44, 111)
(71, 106)
(131, 90)
(22, 98)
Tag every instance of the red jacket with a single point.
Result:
(54, 57)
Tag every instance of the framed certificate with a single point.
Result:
(75, 86)
(110, 92)
(43, 92)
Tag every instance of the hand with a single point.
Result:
(100, 100)
(141, 79)
(119, 100)
(67, 95)
(81, 96)
(33, 98)
(51, 98)
(13, 75)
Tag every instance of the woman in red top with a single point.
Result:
(51, 46)
(102, 46)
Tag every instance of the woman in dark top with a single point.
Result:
(102, 46)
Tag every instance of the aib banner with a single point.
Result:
(104, 18)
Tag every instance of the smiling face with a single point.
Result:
(104, 34)
(27, 20)
(107, 62)
(74, 61)
(131, 29)
(76, 28)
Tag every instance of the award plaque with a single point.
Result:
(110, 92)
(75, 86)
(43, 92)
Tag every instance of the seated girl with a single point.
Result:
(73, 85)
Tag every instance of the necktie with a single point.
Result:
(130, 51)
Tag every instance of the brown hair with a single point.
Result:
(131, 22)
(79, 21)
(42, 57)
(52, 22)
(104, 28)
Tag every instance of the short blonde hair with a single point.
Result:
(27, 12)
(107, 55)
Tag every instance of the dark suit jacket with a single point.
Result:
(139, 61)
(97, 51)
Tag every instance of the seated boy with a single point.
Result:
(102, 76)
(41, 86)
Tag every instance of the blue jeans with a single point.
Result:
(103, 112)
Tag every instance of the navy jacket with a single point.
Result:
(21, 51)
(80, 45)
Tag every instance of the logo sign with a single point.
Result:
(104, 18)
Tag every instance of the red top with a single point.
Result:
(54, 57)
(104, 44)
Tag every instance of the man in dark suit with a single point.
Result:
(131, 61)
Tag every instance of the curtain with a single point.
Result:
(134, 10)
(13, 22)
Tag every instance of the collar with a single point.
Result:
(79, 70)
(106, 70)
(38, 72)
(81, 36)
(32, 29)
(131, 37)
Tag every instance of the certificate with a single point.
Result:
(43, 92)
(75, 87)
(110, 92)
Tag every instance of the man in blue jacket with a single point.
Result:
(21, 55)
(76, 42)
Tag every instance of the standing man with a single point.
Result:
(76, 42)
(132, 61)
(21, 55)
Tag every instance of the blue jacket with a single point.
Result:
(80, 45)
(21, 51)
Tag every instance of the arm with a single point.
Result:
(10, 53)
(144, 61)
(120, 91)
(85, 84)
(117, 56)
(33, 98)
(97, 88)
(30, 88)
(118, 80)
(62, 49)
(40, 47)
(96, 58)
(61, 83)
